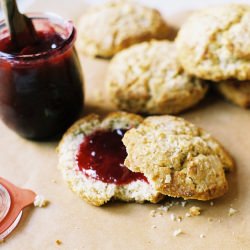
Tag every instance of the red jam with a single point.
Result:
(101, 156)
(47, 40)
(41, 84)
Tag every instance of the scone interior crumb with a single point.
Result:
(94, 190)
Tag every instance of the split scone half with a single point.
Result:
(91, 158)
(238, 92)
(148, 78)
(107, 28)
(178, 158)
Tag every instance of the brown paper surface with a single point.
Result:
(118, 225)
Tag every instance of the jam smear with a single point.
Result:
(101, 156)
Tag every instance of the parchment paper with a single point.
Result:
(118, 225)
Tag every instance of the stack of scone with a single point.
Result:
(146, 77)
(159, 77)
(126, 157)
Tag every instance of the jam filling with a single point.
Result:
(47, 40)
(101, 156)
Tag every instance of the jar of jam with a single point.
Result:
(41, 85)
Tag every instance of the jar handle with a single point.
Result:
(20, 198)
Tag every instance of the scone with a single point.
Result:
(108, 28)
(91, 158)
(214, 44)
(235, 91)
(179, 159)
(147, 78)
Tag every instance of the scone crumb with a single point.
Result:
(53, 181)
(210, 219)
(195, 211)
(188, 215)
(232, 211)
(40, 201)
(168, 205)
(173, 217)
(183, 203)
(168, 178)
(177, 203)
(163, 208)
(202, 236)
(160, 213)
(177, 232)
(179, 218)
(152, 213)
(211, 203)
(58, 242)
(154, 226)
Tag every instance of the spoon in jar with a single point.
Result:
(21, 28)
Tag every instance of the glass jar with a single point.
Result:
(41, 86)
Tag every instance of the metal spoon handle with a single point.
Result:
(22, 31)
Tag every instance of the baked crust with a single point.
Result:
(93, 191)
(214, 43)
(178, 158)
(108, 28)
(238, 92)
(147, 78)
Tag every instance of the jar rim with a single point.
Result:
(65, 24)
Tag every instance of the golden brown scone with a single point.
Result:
(237, 92)
(110, 27)
(94, 191)
(147, 78)
(180, 159)
(214, 43)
